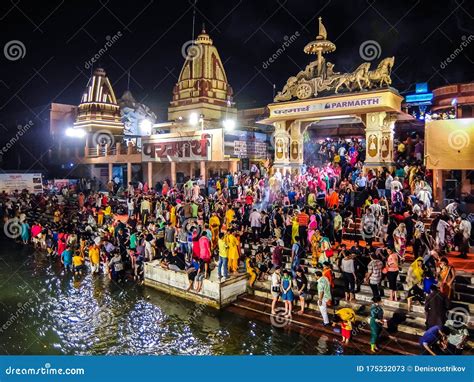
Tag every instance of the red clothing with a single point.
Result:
(35, 230)
(62, 239)
(328, 274)
(303, 219)
(346, 330)
(204, 249)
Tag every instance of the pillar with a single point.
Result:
(150, 175)
(438, 197)
(281, 143)
(173, 173)
(86, 148)
(129, 172)
(379, 129)
(202, 170)
(233, 167)
(296, 147)
(191, 169)
(111, 171)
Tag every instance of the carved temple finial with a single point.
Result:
(323, 34)
(203, 28)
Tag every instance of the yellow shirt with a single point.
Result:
(77, 261)
(94, 255)
(232, 242)
(108, 210)
(223, 248)
(214, 222)
(229, 216)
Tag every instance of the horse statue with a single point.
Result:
(350, 79)
(381, 75)
(288, 90)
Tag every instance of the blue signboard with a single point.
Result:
(421, 87)
(420, 97)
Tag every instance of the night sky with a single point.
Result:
(60, 37)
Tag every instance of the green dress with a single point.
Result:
(376, 313)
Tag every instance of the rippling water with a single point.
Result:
(43, 311)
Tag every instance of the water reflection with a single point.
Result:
(92, 315)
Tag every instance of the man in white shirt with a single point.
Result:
(396, 185)
(388, 185)
(130, 189)
(361, 182)
(464, 228)
(255, 223)
(341, 151)
(452, 209)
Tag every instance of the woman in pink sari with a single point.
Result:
(205, 251)
(312, 227)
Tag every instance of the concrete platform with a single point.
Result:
(213, 293)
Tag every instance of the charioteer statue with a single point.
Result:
(319, 75)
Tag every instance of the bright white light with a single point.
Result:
(454, 101)
(229, 124)
(193, 119)
(334, 117)
(145, 127)
(75, 133)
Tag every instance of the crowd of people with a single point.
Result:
(294, 222)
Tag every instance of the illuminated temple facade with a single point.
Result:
(198, 140)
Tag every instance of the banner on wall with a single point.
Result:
(246, 144)
(449, 144)
(18, 182)
(177, 149)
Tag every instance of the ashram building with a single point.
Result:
(205, 134)
(449, 144)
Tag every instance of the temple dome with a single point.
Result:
(202, 85)
(98, 108)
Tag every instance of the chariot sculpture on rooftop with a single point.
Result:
(319, 75)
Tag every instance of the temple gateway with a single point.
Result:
(319, 96)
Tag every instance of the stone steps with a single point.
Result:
(399, 321)
(311, 322)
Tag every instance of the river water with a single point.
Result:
(43, 311)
